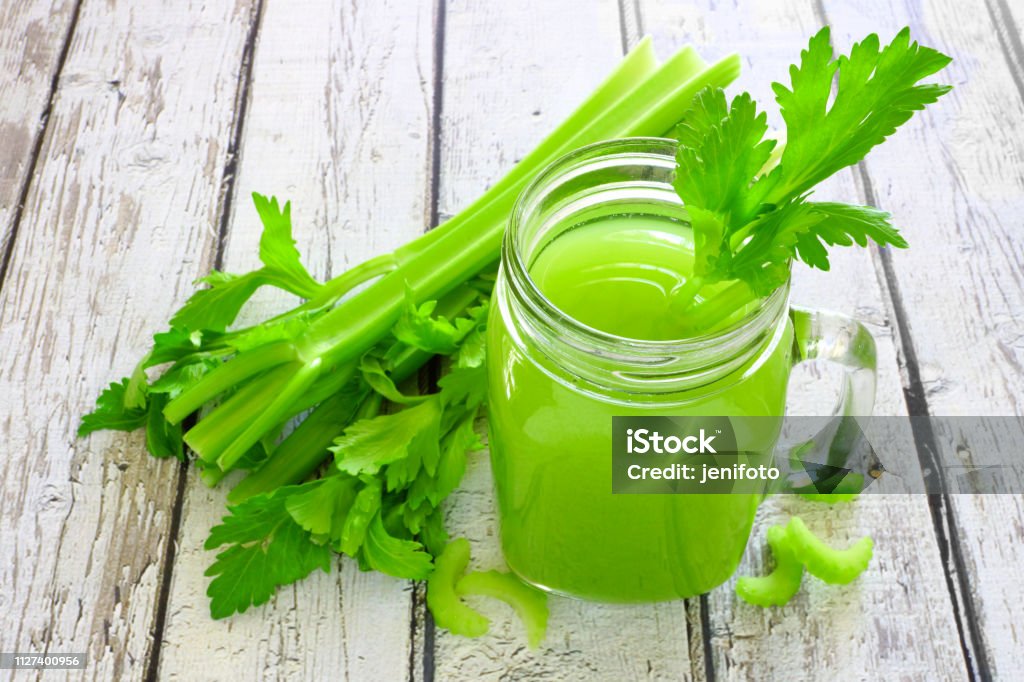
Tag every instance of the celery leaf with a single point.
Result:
(112, 413)
(323, 505)
(420, 328)
(281, 259)
(466, 385)
(395, 556)
(175, 344)
(750, 222)
(369, 444)
(267, 549)
(362, 512)
(877, 91)
(721, 151)
(163, 439)
(217, 307)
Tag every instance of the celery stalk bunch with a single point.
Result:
(279, 398)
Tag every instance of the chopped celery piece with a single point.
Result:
(779, 586)
(448, 610)
(531, 605)
(834, 566)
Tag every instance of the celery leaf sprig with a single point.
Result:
(749, 219)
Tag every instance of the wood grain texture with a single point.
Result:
(510, 77)
(341, 101)
(124, 211)
(128, 174)
(957, 171)
(875, 626)
(31, 44)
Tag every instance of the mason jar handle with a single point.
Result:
(820, 465)
(846, 342)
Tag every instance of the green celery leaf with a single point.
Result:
(749, 224)
(277, 249)
(267, 550)
(162, 438)
(377, 377)
(183, 374)
(720, 153)
(423, 451)
(370, 444)
(217, 307)
(323, 507)
(435, 485)
(763, 260)
(137, 388)
(422, 490)
(462, 440)
(420, 328)
(395, 556)
(465, 385)
(249, 520)
(175, 344)
(270, 332)
(842, 222)
(362, 512)
(472, 350)
(878, 91)
(414, 518)
(433, 534)
(112, 413)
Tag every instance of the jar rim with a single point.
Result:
(598, 341)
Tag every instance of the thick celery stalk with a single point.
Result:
(636, 100)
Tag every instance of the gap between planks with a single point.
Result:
(942, 514)
(226, 196)
(37, 146)
(422, 629)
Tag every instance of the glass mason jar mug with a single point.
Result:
(580, 330)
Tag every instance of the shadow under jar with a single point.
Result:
(582, 328)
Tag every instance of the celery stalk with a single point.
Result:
(305, 448)
(436, 263)
(630, 73)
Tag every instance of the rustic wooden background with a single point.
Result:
(132, 131)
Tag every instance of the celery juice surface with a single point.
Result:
(562, 528)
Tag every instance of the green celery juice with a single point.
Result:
(562, 528)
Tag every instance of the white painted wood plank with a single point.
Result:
(126, 187)
(512, 72)
(31, 38)
(956, 172)
(875, 627)
(339, 119)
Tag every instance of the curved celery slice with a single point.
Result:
(794, 548)
(834, 566)
(531, 605)
(448, 610)
(779, 586)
